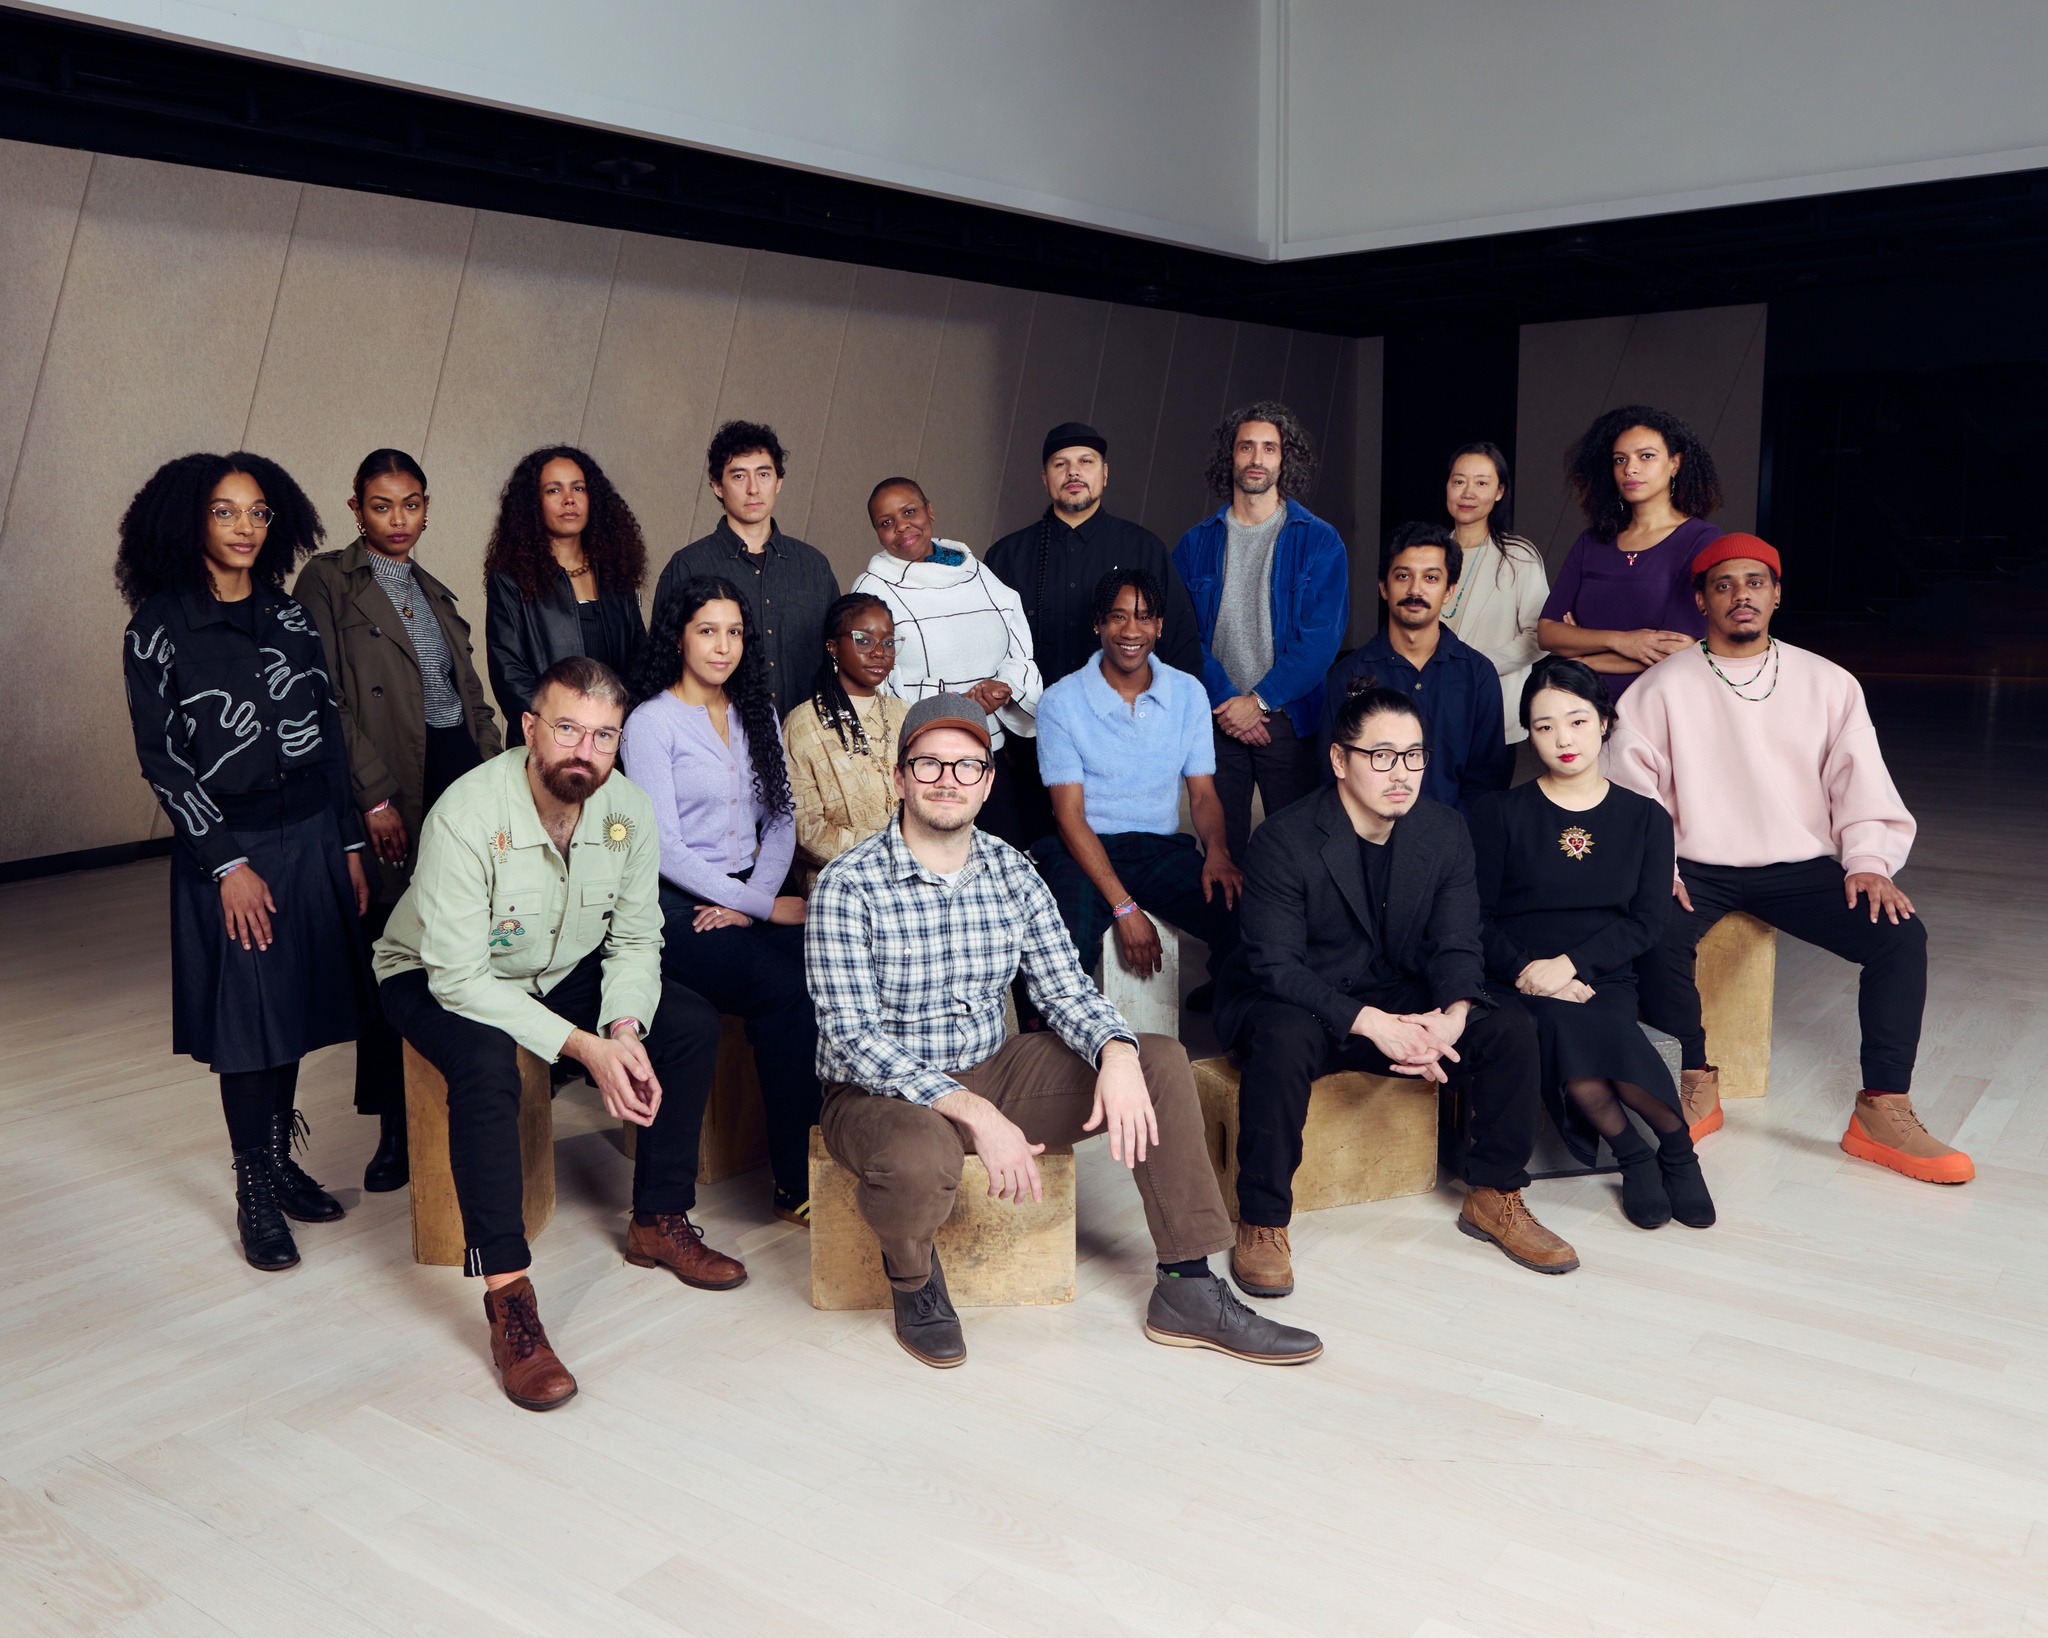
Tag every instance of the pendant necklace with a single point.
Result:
(1736, 688)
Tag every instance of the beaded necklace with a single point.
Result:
(1736, 688)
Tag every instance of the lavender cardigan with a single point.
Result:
(704, 808)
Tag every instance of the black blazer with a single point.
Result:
(522, 639)
(1307, 928)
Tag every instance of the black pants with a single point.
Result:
(1034, 803)
(380, 1055)
(999, 814)
(1163, 873)
(757, 973)
(1805, 899)
(1284, 771)
(1283, 1048)
(481, 1066)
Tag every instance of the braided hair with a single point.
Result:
(828, 694)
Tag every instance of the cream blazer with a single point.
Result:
(1494, 607)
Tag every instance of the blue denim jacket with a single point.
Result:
(1311, 609)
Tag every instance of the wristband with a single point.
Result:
(1124, 909)
(228, 870)
(613, 1031)
(371, 813)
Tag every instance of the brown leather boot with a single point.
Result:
(1699, 1100)
(1884, 1129)
(1501, 1216)
(534, 1378)
(675, 1243)
(1262, 1264)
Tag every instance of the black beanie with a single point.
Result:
(1070, 433)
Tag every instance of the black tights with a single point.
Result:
(251, 1098)
(1601, 1102)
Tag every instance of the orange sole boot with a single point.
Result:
(1699, 1098)
(1953, 1167)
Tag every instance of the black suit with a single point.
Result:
(1315, 950)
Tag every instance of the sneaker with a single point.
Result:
(1699, 1100)
(1885, 1130)
(790, 1209)
(1203, 1313)
(1501, 1217)
(1262, 1263)
(927, 1325)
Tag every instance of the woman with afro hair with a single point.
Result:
(238, 734)
(1623, 600)
(562, 576)
(704, 745)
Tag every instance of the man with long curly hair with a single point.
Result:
(1272, 593)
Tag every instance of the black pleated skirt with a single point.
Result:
(1591, 1040)
(238, 1010)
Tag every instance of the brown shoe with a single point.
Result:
(1262, 1264)
(1502, 1217)
(1884, 1129)
(1699, 1100)
(675, 1243)
(534, 1378)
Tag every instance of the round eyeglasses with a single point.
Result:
(967, 770)
(1383, 760)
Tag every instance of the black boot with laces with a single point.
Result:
(1203, 1312)
(266, 1237)
(297, 1194)
(926, 1324)
(390, 1167)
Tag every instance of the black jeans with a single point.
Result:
(1163, 873)
(1283, 1048)
(1034, 803)
(1806, 900)
(481, 1066)
(1284, 771)
(757, 973)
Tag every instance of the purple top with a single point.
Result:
(704, 807)
(1601, 589)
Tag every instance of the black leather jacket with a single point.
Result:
(522, 639)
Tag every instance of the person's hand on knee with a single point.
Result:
(1123, 1103)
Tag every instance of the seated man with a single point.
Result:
(1361, 952)
(913, 937)
(1115, 739)
(1454, 686)
(532, 922)
(1767, 761)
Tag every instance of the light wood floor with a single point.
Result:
(1828, 1415)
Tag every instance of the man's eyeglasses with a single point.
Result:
(861, 639)
(968, 770)
(1383, 760)
(260, 515)
(570, 735)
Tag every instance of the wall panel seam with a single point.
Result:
(28, 421)
(603, 324)
(284, 266)
(831, 399)
(931, 386)
(1735, 377)
(1010, 426)
(1159, 415)
(448, 334)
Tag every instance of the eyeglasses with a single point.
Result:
(1383, 760)
(861, 639)
(259, 514)
(968, 770)
(569, 735)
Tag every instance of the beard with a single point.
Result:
(1255, 486)
(1074, 503)
(943, 818)
(570, 780)
(1744, 635)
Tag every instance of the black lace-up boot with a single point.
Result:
(266, 1237)
(926, 1324)
(299, 1196)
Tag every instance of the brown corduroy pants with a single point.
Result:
(908, 1157)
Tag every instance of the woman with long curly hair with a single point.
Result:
(238, 734)
(1623, 600)
(563, 573)
(704, 744)
(841, 742)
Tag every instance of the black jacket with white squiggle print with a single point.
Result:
(221, 717)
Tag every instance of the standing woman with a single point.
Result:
(1498, 600)
(1623, 600)
(237, 733)
(959, 630)
(704, 745)
(841, 742)
(562, 573)
(1574, 884)
(414, 719)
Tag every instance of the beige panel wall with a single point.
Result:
(148, 310)
(1705, 365)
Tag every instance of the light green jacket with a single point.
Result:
(498, 918)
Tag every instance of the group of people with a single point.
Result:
(862, 823)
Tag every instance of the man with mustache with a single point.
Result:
(1454, 686)
(1765, 757)
(1361, 950)
(532, 921)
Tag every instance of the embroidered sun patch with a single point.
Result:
(1575, 842)
(618, 831)
(504, 932)
(501, 844)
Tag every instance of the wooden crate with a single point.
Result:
(1738, 966)
(1368, 1137)
(735, 1136)
(437, 1235)
(1149, 1002)
(995, 1254)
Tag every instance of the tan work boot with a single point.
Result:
(1262, 1264)
(1885, 1130)
(534, 1378)
(1500, 1216)
(1699, 1100)
(673, 1242)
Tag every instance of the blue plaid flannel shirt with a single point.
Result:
(908, 975)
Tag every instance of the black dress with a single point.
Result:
(238, 734)
(1596, 886)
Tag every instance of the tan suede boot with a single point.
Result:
(1262, 1263)
(1699, 1100)
(1501, 1216)
(1885, 1130)
(534, 1378)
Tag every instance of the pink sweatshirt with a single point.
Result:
(1756, 782)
